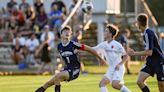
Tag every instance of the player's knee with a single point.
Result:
(116, 85)
(102, 84)
(139, 82)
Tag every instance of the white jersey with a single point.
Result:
(112, 51)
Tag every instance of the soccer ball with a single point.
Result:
(87, 6)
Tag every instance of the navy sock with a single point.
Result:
(57, 88)
(41, 89)
(145, 89)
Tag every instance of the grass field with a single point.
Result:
(87, 83)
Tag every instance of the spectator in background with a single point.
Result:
(21, 39)
(17, 52)
(56, 18)
(61, 6)
(47, 45)
(11, 5)
(37, 5)
(30, 17)
(124, 41)
(41, 18)
(18, 16)
(31, 44)
(23, 6)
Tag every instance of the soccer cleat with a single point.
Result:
(41, 89)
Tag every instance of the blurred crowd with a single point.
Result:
(28, 26)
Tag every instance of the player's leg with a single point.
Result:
(118, 80)
(141, 81)
(159, 69)
(55, 80)
(127, 65)
(103, 84)
(117, 85)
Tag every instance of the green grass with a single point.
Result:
(87, 83)
(82, 84)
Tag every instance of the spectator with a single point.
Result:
(30, 17)
(31, 44)
(11, 5)
(124, 41)
(41, 19)
(50, 36)
(37, 5)
(61, 6)
(45, 48)
(21, 39)
(18, 16)
(56, 17)
(17, 52)
(23, 6)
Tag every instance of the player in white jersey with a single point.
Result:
(116, 57)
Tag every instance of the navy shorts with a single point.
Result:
(73, 73)
(154, 67)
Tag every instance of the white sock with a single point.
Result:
(103, 89)
(124, 89)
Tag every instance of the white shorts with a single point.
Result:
(113, 74)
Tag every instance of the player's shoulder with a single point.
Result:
(149, 31)
(116, 43)
(75, 43)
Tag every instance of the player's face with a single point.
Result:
(107, 33)
(66, 33)
(138, 25)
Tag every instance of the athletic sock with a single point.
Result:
(57, 88)
(124, 89)
(41, 89)
(145, 89)
(103, 89)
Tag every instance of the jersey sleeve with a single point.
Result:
(120, 49)
(100, 46)
(149, 41)
(78, 45)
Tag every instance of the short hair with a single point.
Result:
(142, 19)
(64, 28)
(113, 29)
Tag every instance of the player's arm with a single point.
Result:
(124, 59)
(149, 46)
(92, 51)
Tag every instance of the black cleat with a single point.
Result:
(41, 89)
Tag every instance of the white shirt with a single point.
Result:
(22, 41)
(112, 51)
(32, 44)
(51, 38)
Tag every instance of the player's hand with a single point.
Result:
(130, 51)
(117, 67)
(143, 58)
(103, 62)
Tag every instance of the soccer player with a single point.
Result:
(124, 41)
(113, 52)
(155, 57)
(72, 66)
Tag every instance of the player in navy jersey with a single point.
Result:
(154, 56)
(67, 50)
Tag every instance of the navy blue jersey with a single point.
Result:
(151, 43)
(123, 39)
(69, 55)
